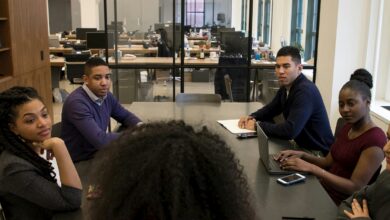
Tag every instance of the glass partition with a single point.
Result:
(185, 45)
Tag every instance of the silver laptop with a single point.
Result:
(271, 165)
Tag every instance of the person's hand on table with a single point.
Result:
(282, 155)
(247, 122)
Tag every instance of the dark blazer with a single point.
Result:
(306, 120)
(26, 194)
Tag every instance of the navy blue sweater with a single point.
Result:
(84, 123)
(306, 120)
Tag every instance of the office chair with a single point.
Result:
(74, 65)
(197, 97)
(79, 47)
(238, 78)
(228, 85)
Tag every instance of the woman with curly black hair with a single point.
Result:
(167, 170)
(28, 187)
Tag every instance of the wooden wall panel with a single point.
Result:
(29, 36)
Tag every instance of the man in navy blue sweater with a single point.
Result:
(87, 111)
(300, 102)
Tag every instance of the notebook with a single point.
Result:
(271, 165)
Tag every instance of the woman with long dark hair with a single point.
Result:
(28, 187)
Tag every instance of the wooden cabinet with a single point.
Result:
(5, 41)
(24, 54)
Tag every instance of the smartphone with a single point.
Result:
(291, 179)
(246, 135)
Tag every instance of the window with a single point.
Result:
(381, 65)
(311, 28)
(195, 13)
(296, 22)
(260, 19)
(244, 9)
(267, 22)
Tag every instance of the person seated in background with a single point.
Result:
(167, 170)
(371, 202)
(306, 120)
(162, 44)
(87, 111)
(28, 187)
(357, 153)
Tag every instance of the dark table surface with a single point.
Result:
(272, 200)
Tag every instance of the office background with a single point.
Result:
(352, 34)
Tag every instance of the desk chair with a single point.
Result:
(197, 97)
(74, 72)
(238, 78)
(74, 65)
(228, 85)
(79, 47)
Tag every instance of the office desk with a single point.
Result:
(272, 200)
(134, 49)
(150, 61)
(61, 50)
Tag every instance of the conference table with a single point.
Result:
(271, 200)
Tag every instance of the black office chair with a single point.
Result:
(79, 47)
(238, 78)
(228, 87)
(197, 97)
(74, 64)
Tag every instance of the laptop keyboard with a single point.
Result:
(273, 164)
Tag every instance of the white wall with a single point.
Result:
(236, 14)
(89, 13)
(343, 37)
(281, 23)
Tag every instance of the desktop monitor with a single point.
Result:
(98, 40)
(81, 32)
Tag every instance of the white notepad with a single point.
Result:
(232, 126)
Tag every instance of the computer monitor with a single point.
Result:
(98, 40)
(81, 32)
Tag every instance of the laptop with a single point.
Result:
(271, 165)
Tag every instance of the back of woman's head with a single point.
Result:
(170, 171)
(10, 101)
(361, 82)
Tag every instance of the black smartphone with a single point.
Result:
(246, 135)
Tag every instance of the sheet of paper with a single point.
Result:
(232, 126)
